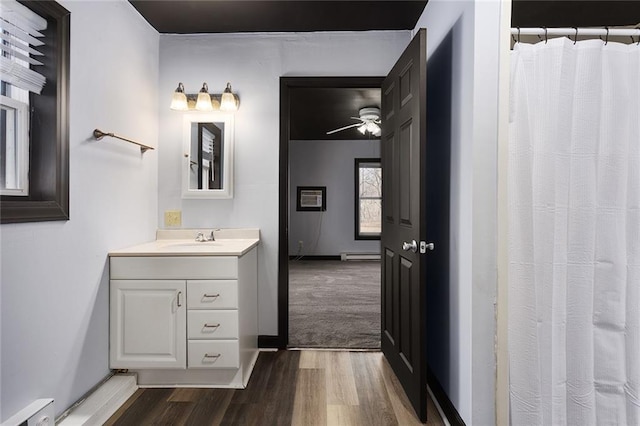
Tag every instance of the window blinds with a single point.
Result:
(19, 31)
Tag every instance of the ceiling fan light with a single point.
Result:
(372, 127)
(362, 129)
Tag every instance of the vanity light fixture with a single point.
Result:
(179, 100)
(204, 101)
(228, 100)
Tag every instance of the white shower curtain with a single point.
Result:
(574, 234)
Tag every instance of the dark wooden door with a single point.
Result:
(403, 155)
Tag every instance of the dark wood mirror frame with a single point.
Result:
(48, 129)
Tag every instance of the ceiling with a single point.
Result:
(314, 111)
(572, 13)
(231, 16)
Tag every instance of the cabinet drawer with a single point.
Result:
(177, 267)
(213, 354)
(212, 324)
(212, 294)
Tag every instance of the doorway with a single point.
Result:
(288, 198)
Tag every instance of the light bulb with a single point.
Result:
(227, 100)
(204, 99)
(179, 99)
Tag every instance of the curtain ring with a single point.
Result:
(546, 38)
(606, 38)
(513, 37)
(575, 39)
(518, 34)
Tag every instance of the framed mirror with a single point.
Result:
(208, 156)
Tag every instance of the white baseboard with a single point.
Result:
(359, 256)
(103, 402)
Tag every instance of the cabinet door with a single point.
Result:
(148, 324)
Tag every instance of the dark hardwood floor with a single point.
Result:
(287, 388)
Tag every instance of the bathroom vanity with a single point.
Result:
(184, 312)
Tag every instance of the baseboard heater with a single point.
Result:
(40, 412)
(359, 256)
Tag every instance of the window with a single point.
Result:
(20, 35)
(14, 147)
(34, 119)
(368, 206)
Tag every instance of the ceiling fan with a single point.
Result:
(369, 121)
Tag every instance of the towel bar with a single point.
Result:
(99, 134)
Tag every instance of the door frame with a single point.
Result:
(286, 85)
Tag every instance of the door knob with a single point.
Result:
(413, 246)
(424, 246)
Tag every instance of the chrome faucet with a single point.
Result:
(201, 238)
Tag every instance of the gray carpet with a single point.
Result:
(334, 304)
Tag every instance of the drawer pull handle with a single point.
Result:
(212, 295)
(212, 356)
(211, 325)
(179, 297)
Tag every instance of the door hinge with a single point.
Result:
(424, 246)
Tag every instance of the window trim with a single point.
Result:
(49, 144)
(356, 197)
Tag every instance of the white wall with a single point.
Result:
(330, 164)
(54, 278)
(475, 26)
(254, 63)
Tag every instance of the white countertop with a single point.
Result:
(181, 242)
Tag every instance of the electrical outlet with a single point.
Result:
(172, 218)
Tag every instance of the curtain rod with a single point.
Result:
(593, 32)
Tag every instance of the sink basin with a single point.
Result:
(194, 244)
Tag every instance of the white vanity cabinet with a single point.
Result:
(184, 320)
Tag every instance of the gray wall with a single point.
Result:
(330, 164)
(474, 27)
(54, 275)
(254, 64)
